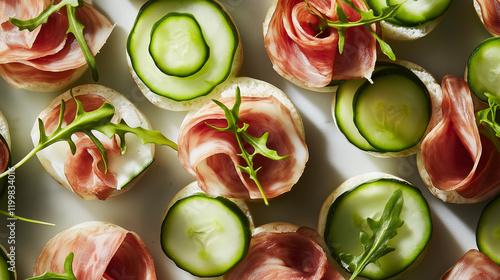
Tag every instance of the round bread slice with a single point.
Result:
(128, 167)
(479, 12)
(436, 97)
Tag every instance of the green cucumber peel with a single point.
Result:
(67, 275)
(86, 122)
(488, 117)
(259, 144)
(375, 245)
(367, 18)
(75, 27)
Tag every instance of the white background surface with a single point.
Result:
(332, 158)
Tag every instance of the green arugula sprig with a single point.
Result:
(375, 245)
(259, 144)
(87, 122)
(75, 27)
(342, 23)
(488, 117)
(67, 275)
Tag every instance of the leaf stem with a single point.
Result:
(5, 213)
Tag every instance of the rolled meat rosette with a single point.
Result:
(100, 251)
(84, 171)
(47, 58)
(213, 156)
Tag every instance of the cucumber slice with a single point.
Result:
(343, 111)
(413, 12)
(205, 236)
(392, 114)
(348, 214)
(488, 230)
(177, 45)
(344, 115)
(7, 272)
(483, 69)
(145, 51)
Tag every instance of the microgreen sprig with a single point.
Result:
(87, 122)
(367, 18)
(67, 275)
(488, 117)
(75, 27)
(259, 144)
(375, 245)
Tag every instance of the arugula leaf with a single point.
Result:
(367, 18)
(259, 144)
(75, 27)
(67, 275)
(86, 122)
(7, 214)
(488, 117)
(375, 245)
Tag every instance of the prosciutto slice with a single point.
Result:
(4, 157)
(296, 51)
(101, 251)
(284, 255)
(455, 155)
(48, 54)
(473, 265)
(212, 156)
(84, 170)
(490, 15)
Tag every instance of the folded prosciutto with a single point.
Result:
(489, 13)
(456, 161)
(212, 156)
(298, 54)
(285, 255)
(47, 58)
(84, 172)
(473, 265)
(101, 251)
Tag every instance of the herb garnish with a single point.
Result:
(259, 144)
(67, 275)
(375, 245)
(75, 27)
(86, 122)
(367, 18)
(488, 117)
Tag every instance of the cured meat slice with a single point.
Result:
(212, 156)
(4, 156)
(48, 58)
(298, 54)
(84, 170)
(284, 255)
(101, 250)
(489, 12)
(473, 265)
(455, 155)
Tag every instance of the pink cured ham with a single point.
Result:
(490, 15)
(455, 155)
(473, 265)
(84, 170)
(212, 156)
(101, 251)
(47, 55)
(284, 255)
(297, 53)
(4, 156)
